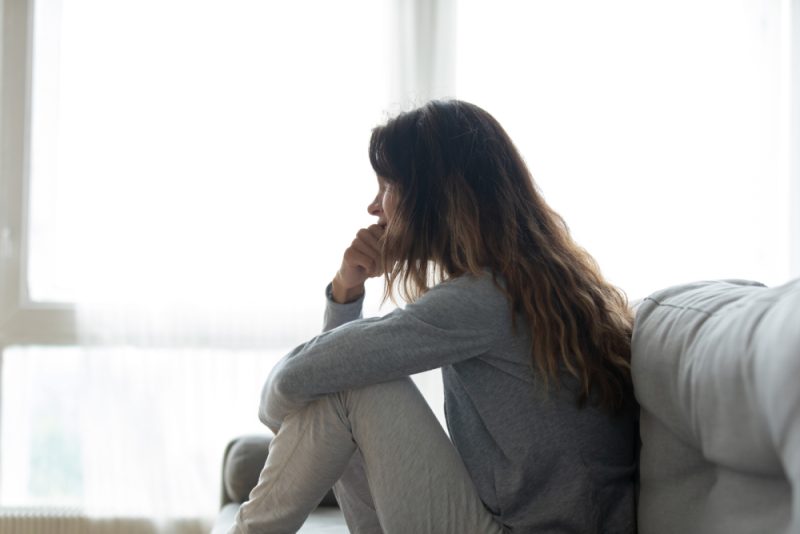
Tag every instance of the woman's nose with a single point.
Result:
(375, 208)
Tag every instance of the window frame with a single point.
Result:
(22, 321)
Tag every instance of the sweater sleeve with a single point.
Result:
(454, 321)
(338, 314)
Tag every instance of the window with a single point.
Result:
(657, 129)
(191, 169)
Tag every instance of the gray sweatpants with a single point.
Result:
(394, 468)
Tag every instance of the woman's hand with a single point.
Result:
(361, 260)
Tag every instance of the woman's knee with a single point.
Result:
(399, 390)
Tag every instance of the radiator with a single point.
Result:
(70, 521)
(42, 521)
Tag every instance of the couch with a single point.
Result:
(716, 370)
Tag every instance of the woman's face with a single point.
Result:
(383, 207)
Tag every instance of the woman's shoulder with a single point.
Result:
(466, 295)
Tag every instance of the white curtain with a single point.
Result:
(424, 50)
(197, 169)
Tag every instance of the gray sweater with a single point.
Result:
(539, 463)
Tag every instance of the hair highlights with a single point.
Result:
(467, 202)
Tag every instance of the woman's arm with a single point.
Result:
(345, 294)
(454, 321)
(337, 314)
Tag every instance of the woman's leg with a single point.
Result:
(415, 476)
(306, 457)
(354, 497)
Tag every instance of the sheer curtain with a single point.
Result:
(197, 169)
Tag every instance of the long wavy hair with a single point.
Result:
(466, 202)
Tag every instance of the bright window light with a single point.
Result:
(654, 128)
(196, 171)
(124, 432)
(201, 156)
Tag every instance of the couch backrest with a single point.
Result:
(716, 370)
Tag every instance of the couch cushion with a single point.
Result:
(715, 369)
(244, 461)
(243, 465)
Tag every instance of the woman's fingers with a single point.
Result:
(368, 242)
(371, 237)
(367, 249)
(358, 266)
(362, 259)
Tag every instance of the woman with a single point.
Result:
(533, 343)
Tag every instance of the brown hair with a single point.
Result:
(467, 202)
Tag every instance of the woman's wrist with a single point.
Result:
(342, 294)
